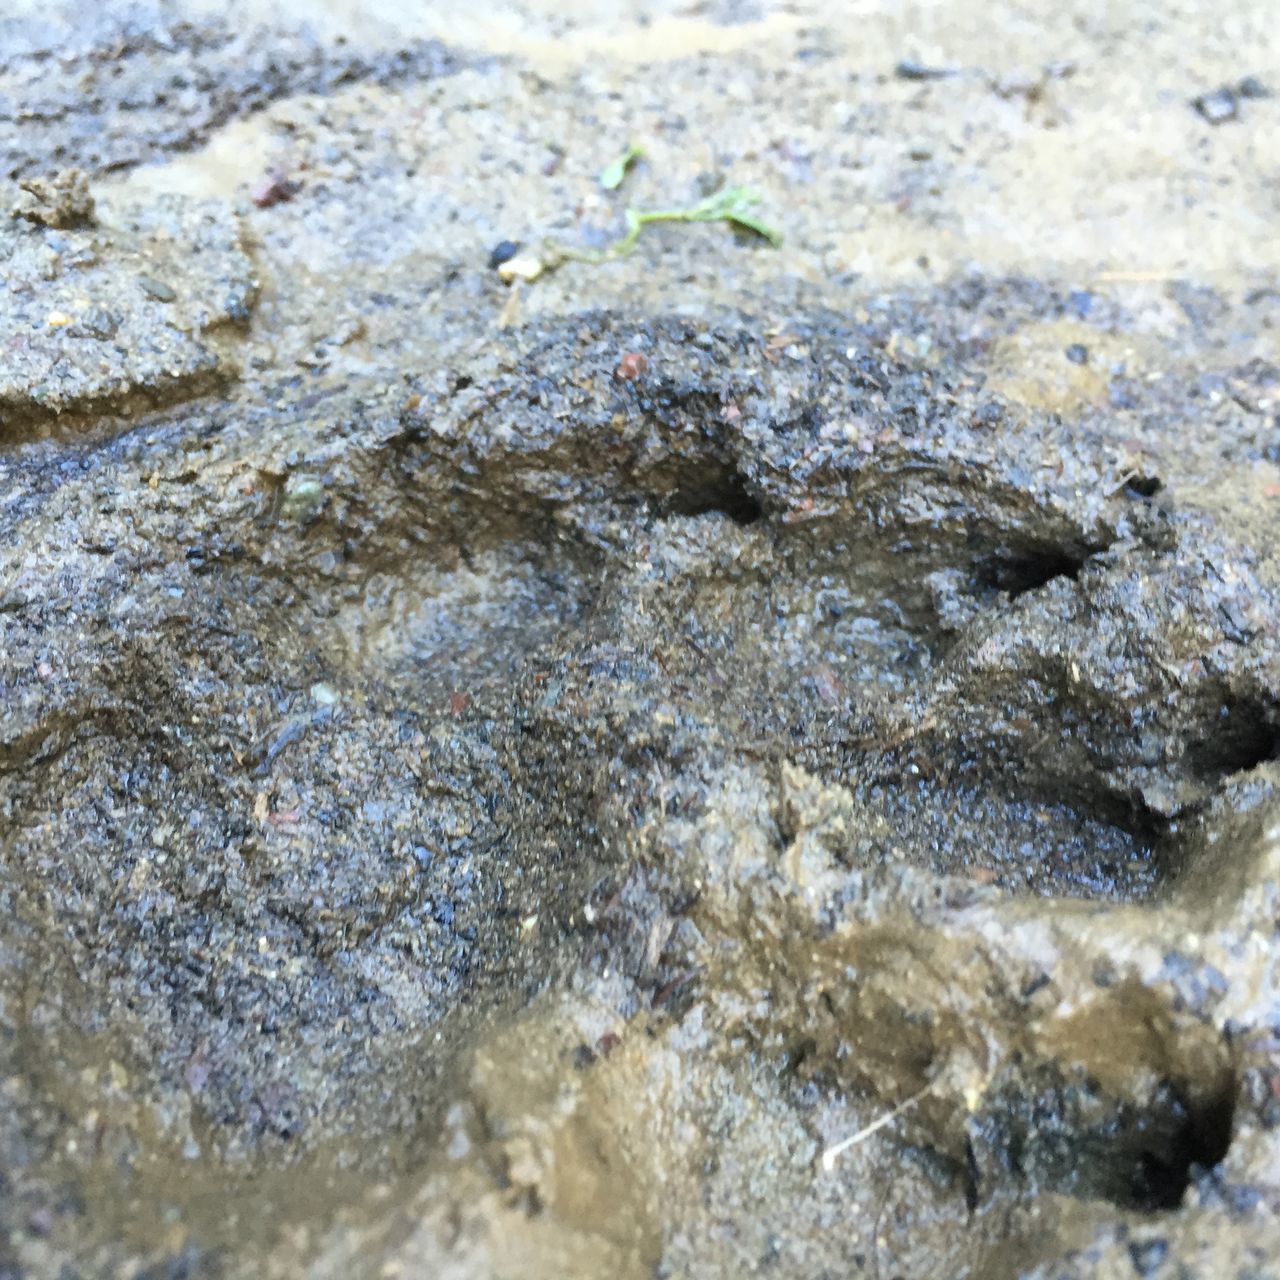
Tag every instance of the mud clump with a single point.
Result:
(630, 776)
(60, 201)
(118, 316)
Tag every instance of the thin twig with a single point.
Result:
(903, 735)
(831, 1154)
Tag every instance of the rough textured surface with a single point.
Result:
(121, 317)
(107, 87)
(506, 781)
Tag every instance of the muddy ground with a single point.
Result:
(726, 760)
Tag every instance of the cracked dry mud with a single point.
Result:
(808, 809)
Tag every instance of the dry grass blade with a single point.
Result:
(834, 1152)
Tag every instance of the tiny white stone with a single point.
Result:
(324, 695)
(522, 267)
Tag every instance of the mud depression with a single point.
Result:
(724, 760)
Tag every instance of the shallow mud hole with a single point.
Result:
(1244, 736)
(1016, 575)
(1064, 1140)
(721, 490)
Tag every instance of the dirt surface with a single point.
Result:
(722, 761)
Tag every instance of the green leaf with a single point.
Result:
(751, 223)
(612, 174)
(733, 204)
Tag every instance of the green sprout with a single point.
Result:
(612, 174)
(734, 204)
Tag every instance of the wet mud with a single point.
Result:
(725, 761)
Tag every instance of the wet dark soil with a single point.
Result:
(707, 764)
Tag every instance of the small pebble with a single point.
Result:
(303, 497)
(1080, 301)
(156, 289)
(324, 695)
(631, 367)
(909, 69)
(98, 322)
(57, 319)
(502, 252)
(1217, 107)
(459, 1145)
(1077, 353)
(525, 267)
(275, 189)
(1147, 1255)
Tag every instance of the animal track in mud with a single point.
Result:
(996, 702)
(975, 658)
(536, 628)
(537, 588)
